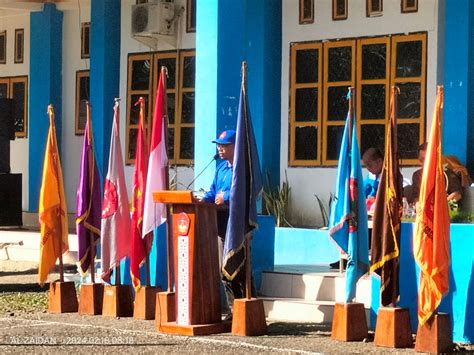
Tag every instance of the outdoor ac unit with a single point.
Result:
(153, 18)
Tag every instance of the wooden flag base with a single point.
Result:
(349, 322)
(91, 298)
(145, 300)
(117, 301)
(165, 311)
(62, 297)
(435, 335)
(393, 328)
(196, 329)
(249, 317)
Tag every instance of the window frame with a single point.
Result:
(408, 9)
(293, 87)
(178, 91)
(335, 16)
(390, 80)
(369, 12)
(305, 20)
(190, 13)
(129, 126)
(85, 26)
(360, 82)
(19, 54)
(421, 120)
(79, 131)
(326, 85)
(3, 34)
(10, 81)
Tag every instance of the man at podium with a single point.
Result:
(219, 194)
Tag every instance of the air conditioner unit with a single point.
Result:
(153, 18)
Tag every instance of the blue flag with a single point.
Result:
(348, 217)
(245, 188)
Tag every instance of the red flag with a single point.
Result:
(139, 246)
(156, 177)
(431, 240)
(115, 226)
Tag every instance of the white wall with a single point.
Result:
(18, 147)
(72, 144)
(305, 182)
(130, 45)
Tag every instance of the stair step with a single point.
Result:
(300, 310)
(312, 286)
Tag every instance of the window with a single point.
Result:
(318, 105)
(82, 95)
(374, 8)
(85, 39)
(339, 10)
(16, 88)
(191, 16)
(3, 47)
(339, 75)
(19, 48)
(409, 6)
(306, 11)
(305, 104)
(143, 75)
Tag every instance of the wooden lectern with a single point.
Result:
(196, 266)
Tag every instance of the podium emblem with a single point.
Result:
(183, 224)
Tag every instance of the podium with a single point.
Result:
(195, 266)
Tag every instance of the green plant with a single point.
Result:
(276, 200)
(323, 210)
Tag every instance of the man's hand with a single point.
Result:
(219, 198)
(455, 196)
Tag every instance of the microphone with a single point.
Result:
(214, 158)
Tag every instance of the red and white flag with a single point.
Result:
(115, 224)
(155, 214)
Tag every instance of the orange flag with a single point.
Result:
(431, 240)
(139, 246)
(52, 206)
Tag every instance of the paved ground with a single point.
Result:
(31, 329)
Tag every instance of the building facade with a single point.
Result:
(302, 56)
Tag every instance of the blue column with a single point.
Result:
(227, 33)
(459, 82)
(104, 74)
(46, 36)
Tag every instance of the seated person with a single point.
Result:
(453, 182)
(373, 162)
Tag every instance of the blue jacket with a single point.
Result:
(222, 182)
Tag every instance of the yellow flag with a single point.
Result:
(431, 240)
(52, 206)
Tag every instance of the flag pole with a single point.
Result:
(248, 261)
(61, 268)
(169, 230)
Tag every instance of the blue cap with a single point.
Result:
(226, 137)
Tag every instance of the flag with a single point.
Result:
(88, 201)
(115, 225)
(388, 214)
(431, 239)
(245, 188)
(138, 249)
(52, 209)
(348, 217)
(158, 161)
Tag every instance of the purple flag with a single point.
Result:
(88, 202)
